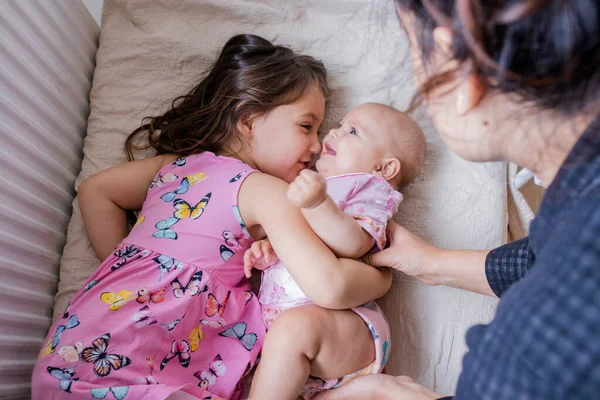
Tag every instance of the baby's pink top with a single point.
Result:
(369, 199)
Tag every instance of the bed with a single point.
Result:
(151, 51)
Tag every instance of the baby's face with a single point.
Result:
(359, 144)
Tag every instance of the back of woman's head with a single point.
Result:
(250, 77)
(545, 51)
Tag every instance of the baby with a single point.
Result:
(375, 151)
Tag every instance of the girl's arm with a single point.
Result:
(105, 196)
(328, 281)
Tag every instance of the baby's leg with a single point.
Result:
(310, 340)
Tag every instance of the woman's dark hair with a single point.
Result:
(250, 77)
(545, 51)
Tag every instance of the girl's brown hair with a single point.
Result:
(544, 51)
(250, 77)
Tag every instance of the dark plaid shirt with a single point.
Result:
(544, 342)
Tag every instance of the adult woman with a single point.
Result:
(516, 81)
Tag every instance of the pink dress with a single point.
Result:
(372, 202)
(170, 309)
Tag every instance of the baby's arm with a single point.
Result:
(104, 197)
(344, 236)
(328, 281)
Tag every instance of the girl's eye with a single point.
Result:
(352, 131)
(307, 127)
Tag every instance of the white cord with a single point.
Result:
(524, 176)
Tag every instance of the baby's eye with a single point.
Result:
(352, 131)
(307, 127)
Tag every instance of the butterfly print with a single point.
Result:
(166, 264)
(184, 210)
(164, 231)
(140, 220)
(235, 241)
(66, 312)
(196, 178)
(70, 353)
(238, 216)
(103, 362)
(191, 289)
(161, 179)
(238, 331)
(196, 335)
(118, 392)
(60, 329)
(65, 377)
(226, 253)
(180, 349)
(126, 253)
(213, 307)
(143, 318)
(182, 189)
(171, 325)
(248, 296)
(90, 285)
(208, 376)
(237, 177)
(144, 294)
(149, 379)
(180, 162)
(213, 324)
(116, 300)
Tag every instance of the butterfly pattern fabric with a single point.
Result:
(103, 362)
(238, 331)
(214, 307)
(166, 264)
(191, 289)
(162, 311)
(144, 295)
(65, 377)
(72, 322)
(116, 300)
(179, 349)
(143, 317)
(208, 376)
(184, 210)
(118, 392)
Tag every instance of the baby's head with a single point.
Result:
(376, 139)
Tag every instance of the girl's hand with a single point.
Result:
(260, 256)
(308, 190)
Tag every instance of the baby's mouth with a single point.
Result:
(328, 150)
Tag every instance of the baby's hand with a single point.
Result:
(260, 256)
(308, 190)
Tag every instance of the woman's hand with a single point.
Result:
(380, 387)
(407, 253)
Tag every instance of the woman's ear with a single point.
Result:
(469, 94)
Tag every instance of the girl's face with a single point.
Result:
(284, 139)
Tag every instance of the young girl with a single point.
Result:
(169, 313)
(375, 151)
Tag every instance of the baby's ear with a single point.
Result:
(390, 169)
